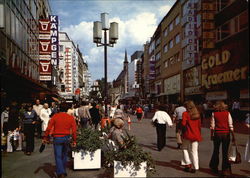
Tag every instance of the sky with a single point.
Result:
(137, 21)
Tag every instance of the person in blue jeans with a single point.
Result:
(62, 125)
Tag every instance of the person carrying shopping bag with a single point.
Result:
(191, 135)
(221, 126)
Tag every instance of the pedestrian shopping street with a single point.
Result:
(42, 165)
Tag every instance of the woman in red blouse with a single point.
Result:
(191, 123)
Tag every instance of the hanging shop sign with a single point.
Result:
(54, 40)
(212, 62)
(44, 50)
(192, 80)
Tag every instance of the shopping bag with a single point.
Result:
(247, 150)
(234, 156)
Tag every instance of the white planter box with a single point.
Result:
(128, 171)
(87, 160)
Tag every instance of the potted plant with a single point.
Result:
(87, 153)
(129, 160)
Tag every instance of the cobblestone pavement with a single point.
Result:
(42, 165)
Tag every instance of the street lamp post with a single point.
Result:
(97, 38)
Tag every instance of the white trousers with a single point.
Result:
(190, 150)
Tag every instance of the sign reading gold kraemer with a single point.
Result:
(211, 62)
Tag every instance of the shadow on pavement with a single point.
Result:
(48, 168)
(152, 147)
(173, 164)
(246, 171)
(172, 147)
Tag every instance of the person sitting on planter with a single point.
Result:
(116, 132)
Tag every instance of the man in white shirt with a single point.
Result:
(177, 118)
(161, 118)
(37, 108)
(45, 116)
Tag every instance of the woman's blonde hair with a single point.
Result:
(119, 123)
(192, 110)
(220, 106)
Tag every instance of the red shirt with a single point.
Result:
(193, 127)
(62, 124)
(139, 110)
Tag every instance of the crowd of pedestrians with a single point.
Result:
(22, 123)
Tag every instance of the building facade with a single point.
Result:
(74, 76)
(19, 50)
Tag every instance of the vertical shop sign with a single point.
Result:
(44, 50)
(54, 40)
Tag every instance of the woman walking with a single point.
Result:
(221, 125)
(191, 135)
(161, 118)
(29, 122)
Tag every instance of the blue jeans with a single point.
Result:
(61, 145)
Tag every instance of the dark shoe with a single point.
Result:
(187, 169)
(179, 146)
(193, 170)
(214, 170)
(28, 153)
(61, 176)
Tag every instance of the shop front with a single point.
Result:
(225, 73)
(172, 89)
(192, 84)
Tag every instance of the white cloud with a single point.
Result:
(164, 10)
(132, 32)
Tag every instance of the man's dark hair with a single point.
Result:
(64, 107)
(162, 107)
(118, 107)
(94, 105)
(83, 103)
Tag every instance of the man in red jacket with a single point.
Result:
(63, 125)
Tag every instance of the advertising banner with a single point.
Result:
(44, 50)
(54, 40)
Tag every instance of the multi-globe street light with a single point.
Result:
(97, 38)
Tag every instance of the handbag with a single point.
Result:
(234, 156)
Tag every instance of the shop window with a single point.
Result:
(243, 20)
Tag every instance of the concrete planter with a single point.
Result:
(87, 160)
(129, 171)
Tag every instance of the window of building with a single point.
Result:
(243, 20)
(158, 56)
(177, 38)
(177, 57)
(158, 41)
(171, 26)
(177, 20)
(165, 48)
(225, 30)
(171, 44)
(166, 64)
(60, 47)
(165, 32)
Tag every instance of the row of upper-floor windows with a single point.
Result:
(172, 60)
(171, 26)
(232, 26)
(171, 43)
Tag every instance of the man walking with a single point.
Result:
(37, 108)
(177, 118)
(63, 124)
(84, 115)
